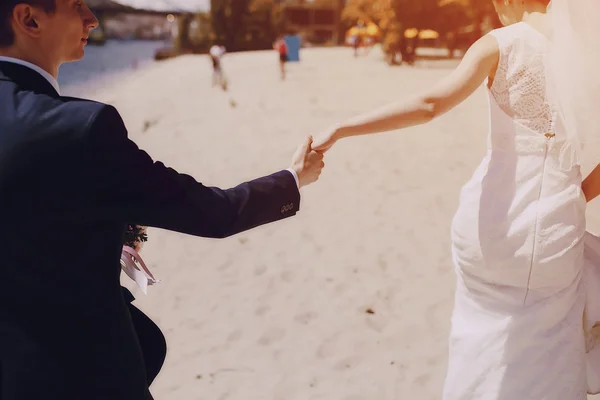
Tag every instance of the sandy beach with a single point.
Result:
(349, 300)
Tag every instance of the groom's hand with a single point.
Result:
(308, 164)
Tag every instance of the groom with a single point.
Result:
(70, 181)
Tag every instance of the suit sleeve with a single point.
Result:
(127, 183)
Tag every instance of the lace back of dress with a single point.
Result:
(519, 86)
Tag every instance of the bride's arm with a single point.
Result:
(479, 62)
(591, 185)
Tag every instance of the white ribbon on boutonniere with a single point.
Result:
(135, 267)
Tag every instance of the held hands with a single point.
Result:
(308, 160)
(307, 163)
(325, 140)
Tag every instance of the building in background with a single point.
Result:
(316, 21)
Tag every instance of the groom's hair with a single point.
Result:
(7, 36)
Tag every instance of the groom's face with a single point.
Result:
(65, 31)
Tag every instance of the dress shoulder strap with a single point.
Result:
(505, 37)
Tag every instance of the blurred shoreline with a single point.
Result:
(102, 63)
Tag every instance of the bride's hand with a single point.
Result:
(323, 141)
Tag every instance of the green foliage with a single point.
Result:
(229, 21)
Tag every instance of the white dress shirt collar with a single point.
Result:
(34, 67)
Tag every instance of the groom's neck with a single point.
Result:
(35, 56)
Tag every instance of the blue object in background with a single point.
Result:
(293, 43)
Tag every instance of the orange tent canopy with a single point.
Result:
(369, 30)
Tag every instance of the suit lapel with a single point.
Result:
(26, 78)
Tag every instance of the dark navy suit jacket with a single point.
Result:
(70, 181)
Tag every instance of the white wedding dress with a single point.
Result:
(518, 242)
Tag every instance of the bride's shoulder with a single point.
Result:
(506, 34)
(487, 44)
(483, 55)
(516, 37)
(520, 32)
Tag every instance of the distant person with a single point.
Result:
(452, 41)
(355, 42)
(216, 53)
(411, 49)
(282, 48)
(405, 46)
(369, 43)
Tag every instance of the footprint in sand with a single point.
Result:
(260, 270)
(272, 336)
(260, 311)
(306, 318)
(224, 266)
(382, 263)
(347, 363)
(295, 387)
(328, 347)
(287, 276)
(376, 323)
(224, 396)
(235, 336)
(422, 379)
(340, 289)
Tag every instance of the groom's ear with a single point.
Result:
(26, 20)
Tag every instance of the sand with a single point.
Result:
(350, 299)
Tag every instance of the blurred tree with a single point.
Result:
(263, 23)
(367, 11)
(481, 14)
(380, 12)
(272, 15)
(484, 15)
(421, 14)
(228, 18)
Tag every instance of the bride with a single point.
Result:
(518, 235)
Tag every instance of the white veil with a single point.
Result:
(573, 73)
